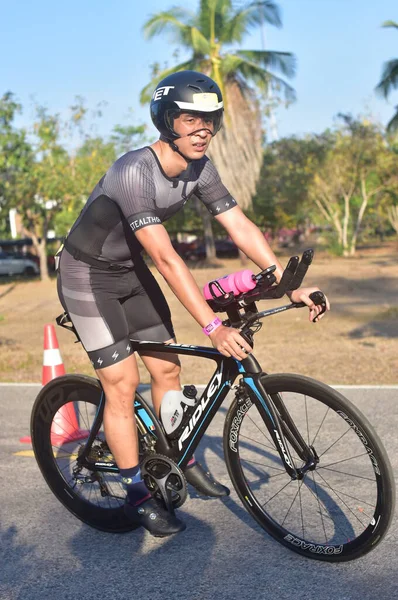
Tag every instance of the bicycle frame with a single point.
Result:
(222, 380)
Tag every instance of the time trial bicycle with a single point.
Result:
(304, 461)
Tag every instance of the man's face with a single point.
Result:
(196, 131)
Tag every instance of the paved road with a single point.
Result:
(45, 553)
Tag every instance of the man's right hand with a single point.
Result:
(229, 342)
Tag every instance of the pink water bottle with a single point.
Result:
(237, 283)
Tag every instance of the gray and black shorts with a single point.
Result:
(108, 308)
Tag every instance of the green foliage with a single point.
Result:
(282, 196)
(356, 177)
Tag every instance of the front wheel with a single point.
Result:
(340, 510)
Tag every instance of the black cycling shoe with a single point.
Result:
(154, 518)
(204, 483)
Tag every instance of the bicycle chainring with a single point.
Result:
(165, 480)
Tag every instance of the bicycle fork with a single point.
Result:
(281, 427)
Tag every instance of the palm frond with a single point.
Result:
(219, 10)
(176, 21)
(147, 91)
(254, 14)
(235, 66)
(199, 43)
(284, 62)
(389, 78)
(390, 24)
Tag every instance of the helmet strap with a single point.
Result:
(174, 147)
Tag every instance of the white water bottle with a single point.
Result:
(174, 404)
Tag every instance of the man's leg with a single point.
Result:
(120, 382)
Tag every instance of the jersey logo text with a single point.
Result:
(138, 223)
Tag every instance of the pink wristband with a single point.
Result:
(212, 326)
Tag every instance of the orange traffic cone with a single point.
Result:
(65, 426)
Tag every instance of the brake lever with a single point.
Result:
(302, 269)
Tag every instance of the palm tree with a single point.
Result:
(212, 36)
(389, 81)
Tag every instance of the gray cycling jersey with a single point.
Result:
(136, 193)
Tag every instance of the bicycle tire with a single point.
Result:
(108, 514)
(330, 541)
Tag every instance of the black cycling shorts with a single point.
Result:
(108, 308)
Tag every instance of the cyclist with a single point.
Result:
(110, 293)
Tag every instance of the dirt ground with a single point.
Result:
(357, 343)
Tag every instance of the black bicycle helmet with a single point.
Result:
(185, 91)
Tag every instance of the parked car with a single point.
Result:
(36, 259)
(17, 265)
(224, 249)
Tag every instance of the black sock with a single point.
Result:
(137, 491)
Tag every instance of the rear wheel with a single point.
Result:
(340, 510)
(65, 409)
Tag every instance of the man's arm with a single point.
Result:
(156, 242)
(248, 237)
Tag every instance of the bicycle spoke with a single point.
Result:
(276, 494)
(262, 433)
(319, 505)
(320, 426)
(341, 500)
(257, 442)
(349, 496)
(301, 508)
(348, 474)
(290, 507)
(264, 466)
(334, 443)
(343, 460)
(326, 513)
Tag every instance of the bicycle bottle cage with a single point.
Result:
(226, 300)
(65, 321)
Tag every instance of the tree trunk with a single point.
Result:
(346, 221)
(41, 251)
(365, 200)
(208, 233)
(392, 213)
(237, 150)
(44, 275)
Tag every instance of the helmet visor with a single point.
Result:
(189, 122)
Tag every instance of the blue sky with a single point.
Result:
(53, 51)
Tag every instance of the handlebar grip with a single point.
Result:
(302, 269)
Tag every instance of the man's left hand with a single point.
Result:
(303, 295)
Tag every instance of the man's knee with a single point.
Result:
(168, 370)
